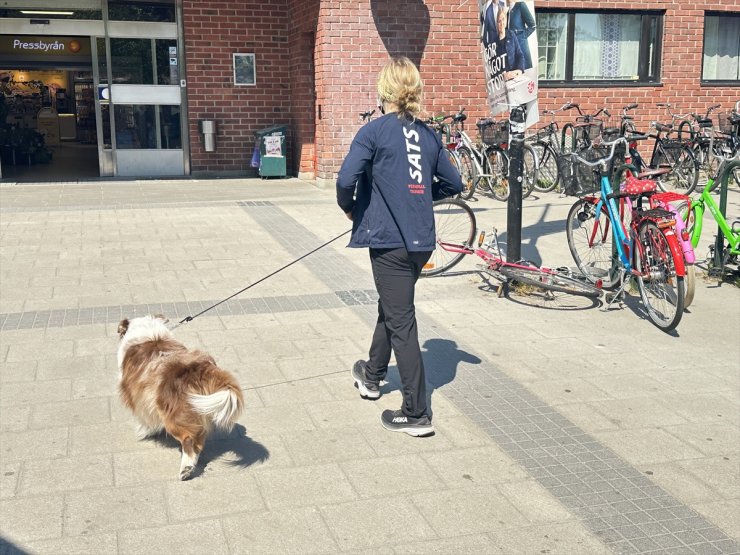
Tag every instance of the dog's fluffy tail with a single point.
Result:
(223, 406)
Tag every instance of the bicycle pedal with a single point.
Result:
(481, 237)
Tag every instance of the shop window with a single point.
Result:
(162, 11)
(133, 63)
(167, 68)
(169, 118)
(135, 126)
(598, 47)
(721, 59)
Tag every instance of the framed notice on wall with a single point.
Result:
(244, 71)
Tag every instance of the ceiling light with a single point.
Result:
(45, 12)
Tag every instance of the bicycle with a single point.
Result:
(693, 214)
(586, 129)
(546, 145)
(610, 251)
(450, 142)
(672, 163)
(495, 136)
(456, 230)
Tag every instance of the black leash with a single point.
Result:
(190, 318)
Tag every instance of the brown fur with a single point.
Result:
(158, 375)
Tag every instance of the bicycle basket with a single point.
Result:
(728, 122)
(592, 131)
(578, 178)
(493, 133)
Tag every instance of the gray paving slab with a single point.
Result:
(570, 430)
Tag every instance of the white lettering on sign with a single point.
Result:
(43, 46)
(413, 152)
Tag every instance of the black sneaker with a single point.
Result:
(396, 421)
(368, 390)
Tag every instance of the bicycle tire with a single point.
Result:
(684, 174)
(548, 176)
(551, 281)
(530, 169)
(663, 292)
(467, 172)
(591, 249)
(498, 168)
(454, 224)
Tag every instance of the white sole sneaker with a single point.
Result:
(365, 393)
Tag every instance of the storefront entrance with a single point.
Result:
(107, 101)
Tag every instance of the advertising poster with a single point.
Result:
(509, 45)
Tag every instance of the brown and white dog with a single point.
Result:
(170, 387)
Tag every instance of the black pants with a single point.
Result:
(395, 272)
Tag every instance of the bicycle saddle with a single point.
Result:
(663, 128)
(635, 187)
(460, 117)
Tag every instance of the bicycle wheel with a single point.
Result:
(498, 167)
(684, 173)
(550, 281)
(661, 290)
(530, 167)
(590, 242)
(467, 172)
(454, 224)
(548, 176)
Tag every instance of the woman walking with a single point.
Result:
(395, 168)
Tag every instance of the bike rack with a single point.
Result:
(724, 182)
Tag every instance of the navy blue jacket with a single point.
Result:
(395, 168)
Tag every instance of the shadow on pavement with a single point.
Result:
(441, 360)
(245, 451)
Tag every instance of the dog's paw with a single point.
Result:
(186, 472)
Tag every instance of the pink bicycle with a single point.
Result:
(457, 237)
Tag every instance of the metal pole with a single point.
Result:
(720, 242)
(516, 163)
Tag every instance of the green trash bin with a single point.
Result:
(272, 151)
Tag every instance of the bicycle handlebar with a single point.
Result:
(574, 156)
(366, 115)
(713, 154)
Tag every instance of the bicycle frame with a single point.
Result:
(698, 206)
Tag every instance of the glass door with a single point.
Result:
(139, 91)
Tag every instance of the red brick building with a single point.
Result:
(311, 65)
(318, 60)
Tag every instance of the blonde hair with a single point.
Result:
(399, 82)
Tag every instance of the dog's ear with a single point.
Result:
(162, 317)
(122, 327)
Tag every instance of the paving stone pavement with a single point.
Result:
(558, 430)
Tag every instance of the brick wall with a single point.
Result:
(317, 61)
(355, 39)
(213, 32)
(302, 24)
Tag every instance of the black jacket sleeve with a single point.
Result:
(354, 166)
(448, 181)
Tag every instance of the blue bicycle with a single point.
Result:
(612, 242)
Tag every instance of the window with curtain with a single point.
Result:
(598, 46)
(721, 56)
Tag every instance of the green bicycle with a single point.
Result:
(722, 253)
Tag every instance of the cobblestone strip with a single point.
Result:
(622, 506)
(177, 311)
